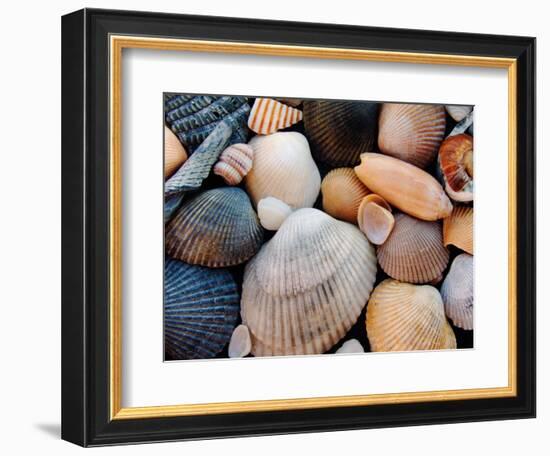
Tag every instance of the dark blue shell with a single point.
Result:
(201, 307)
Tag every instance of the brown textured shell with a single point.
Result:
(342, 193)
(458, 229)
(456, 162)
(174, 153)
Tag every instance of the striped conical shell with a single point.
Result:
(307, 286)
(268, 116)
(458, 112)
(201, 307)
(414, 251)
(457, 292)
(411, 132)
(174, 153)
(215, 228)
(456, 164)
(340, 131)
(458, 229)
(342, 193)
(404, 186)
(283, 168)
(375, 220)
(235, 162)
(405, 317)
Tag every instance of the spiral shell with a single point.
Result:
(174, 153)
(216, 228)
(458, 112)
(457, 292)
(456, 164)
(306, 287)
(375, 219)
(268, 116)
(414, 251)
(411, 132)
(283, 168)
(201, 307)
(458, 229)
(273, 212)
(405, 317)
(234, 163)
(342, 193)
(340, 131)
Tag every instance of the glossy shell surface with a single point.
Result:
(342, 193)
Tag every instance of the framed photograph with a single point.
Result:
(272, 227)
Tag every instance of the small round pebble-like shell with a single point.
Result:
(174, 153)
(405, 317)
(457, 292)
(215, 228)
(273, 212)
(456, 164)
(342, 193)
(411, 132)
(458, 229)
(376, 221)
(268, 116)
(234, 163)
(458, 112)
(351, 346)
(414, 251)
(240, 344)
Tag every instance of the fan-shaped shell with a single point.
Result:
(456, 163)
(458, 229)
(307, 286)
(414, 251)
(216, 228)
(404, 317)
(458, 112)
(174, 153)
(273, 212)
(411, 132)
(457, 292)
(234, 163)
(404, 186)
(340, 131)
(342, 193)
(375, 220)
(201, 307)
(268, 116)
(283, 168)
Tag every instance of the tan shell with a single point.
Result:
(273, 212)
(174, 153)
(268, 116)
(405, 317)
(376, 199)
(457, 292)
(458, 112)
(411, 132)
(404, 186)
(234, 163)
(458, 229)
(342, 193)
(307, 286)
(283, 168)
(414, 251)
(456, 164)
(240, 343)
(375, 219)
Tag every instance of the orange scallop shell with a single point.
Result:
(174, 153)
(458, 229)
(342, 193)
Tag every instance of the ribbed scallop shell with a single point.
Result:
(235, 162)
(456, 164)
(174, 153)
(340, 131)
(457, 292)
(273, 212)
(458, 229)
(414, 251)
(458, 112)
(216, 228)
(342, 193)
(404, 317)
(268, 116)
(201, 307)
(411, 132)
(375, 220)
(283, 168)
(307, 286)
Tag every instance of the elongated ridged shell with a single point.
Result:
(235, 162)
(240, 343)
(201, 307)
(404, 317)
(268, 116)
(411, 132)
(414, 251)
(273, 212)
(458, 229)
(174, 153)
(307, 286)
(457, 292)
(456, 164)
(375, 220)
(342, 193)
(340, 131)
(216, 228)
(283, 168)
(404, 186)
(458, 112)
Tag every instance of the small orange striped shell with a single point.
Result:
(458, 229)
(174, 153)
(268, 116)
(342, 193)
(234, 163)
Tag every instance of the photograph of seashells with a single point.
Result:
(306, 227)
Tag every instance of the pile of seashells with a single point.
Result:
(297, 227)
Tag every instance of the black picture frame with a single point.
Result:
(85, 225)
